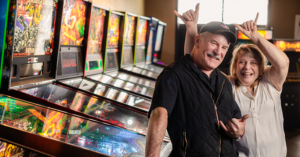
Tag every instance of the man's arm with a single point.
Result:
(156, 131)
(190, 19)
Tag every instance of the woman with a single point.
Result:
(256, 89)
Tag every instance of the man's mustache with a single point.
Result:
(212, 54)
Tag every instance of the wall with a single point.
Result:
(163, 10)
(283, 17)
(132, 6)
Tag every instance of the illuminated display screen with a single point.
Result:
(69, 62)
(96, 31)
(31, 69)
(267, 34)
(111, 61)
(288, 45)
(129, 30)
(34, 27)
(149, 49)
(142, 32)
(73, 22)
(95, 65)
(159, 36)
(127, 56)
(113, 31)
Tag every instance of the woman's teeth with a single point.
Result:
(247, 74)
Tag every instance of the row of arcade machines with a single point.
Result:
(81, 74)
(290, 91)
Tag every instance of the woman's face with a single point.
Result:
(247, 70)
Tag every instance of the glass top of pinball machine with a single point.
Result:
(79, 131)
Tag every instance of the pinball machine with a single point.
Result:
(81, 134)
(290, 91)
(139, 46)
(157, 44)
(37, 56)
(122, 49)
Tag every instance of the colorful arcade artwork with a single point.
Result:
(142, 32)
(96, 31)
(73, 22)
(129, 30)
(113, 32)
(10, 150)
(267, 34)
(293, 46)
(34, 27)
(55, 124)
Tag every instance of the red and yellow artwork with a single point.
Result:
(142, 32)
(113, 31)
(54, 124)
(96, 31)
(73, 22)
(267, 34)
(129, 30)
(288, 45)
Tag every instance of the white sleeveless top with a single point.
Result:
(264, 135)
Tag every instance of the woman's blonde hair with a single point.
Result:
(255, 53)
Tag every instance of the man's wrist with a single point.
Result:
(240, 137)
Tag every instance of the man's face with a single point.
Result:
(211, 50)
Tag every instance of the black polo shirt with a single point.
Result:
(187, 94)
(165, 84)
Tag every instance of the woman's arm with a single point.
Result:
(279, 60)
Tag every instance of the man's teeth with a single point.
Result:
(213, 57)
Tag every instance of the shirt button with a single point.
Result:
(254, 115)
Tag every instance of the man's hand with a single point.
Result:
(235, 128)
(249, 28)
(190, 17)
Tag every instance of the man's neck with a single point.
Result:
(207, 72)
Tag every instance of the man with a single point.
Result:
(192, 98)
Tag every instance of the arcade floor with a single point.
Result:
(293, 143)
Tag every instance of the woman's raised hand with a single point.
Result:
(249, 28)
